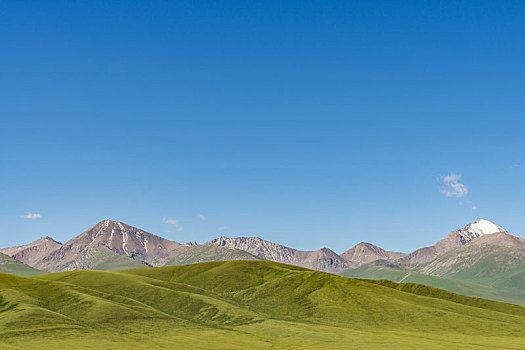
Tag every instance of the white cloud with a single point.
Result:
(516, 165)
(172, 222)
(201, 216)
(453, 187)
(31, 216)
(222, 228)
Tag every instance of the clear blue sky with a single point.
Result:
(307, 123)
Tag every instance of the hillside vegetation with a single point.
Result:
(209, 252)
(489, 271)
(245, 304)
(9, 265)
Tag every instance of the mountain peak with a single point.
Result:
(33, 252)
(365, 252)
(46, 239)
(479, 228)
(108, 236)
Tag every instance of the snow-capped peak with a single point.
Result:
(479, 228)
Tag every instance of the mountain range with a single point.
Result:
(481, 259)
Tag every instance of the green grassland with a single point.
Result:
(105, 259)
(245, 305)
(209, 252)
(480, 280)
(499, 267)
(9, 265)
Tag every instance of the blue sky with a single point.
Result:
(307, 123)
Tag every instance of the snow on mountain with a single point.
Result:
(453, 240)
(479, 228)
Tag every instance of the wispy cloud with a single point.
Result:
(516, 165)
(201, 216)
(222, 228)
(172, 222)
(31, 216)
(453, 188)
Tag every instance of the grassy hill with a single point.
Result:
(9, 265)
(209, 252)
(505, 291)
(483, 270)
(245, 304)
(105, 259)
(501, 267)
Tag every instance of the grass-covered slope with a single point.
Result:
(10, 265)
(209, 252)
(505, 287)
(107, 260)
(489, 276)
(241, 305)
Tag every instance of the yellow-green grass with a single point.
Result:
(245, 305)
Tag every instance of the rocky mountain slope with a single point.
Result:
(453, 240)
(33, 253)
(482, 259)
(112, 245)
(489, 254)
(12, 266)
(322, 260)
(119, 240)
(364, 253)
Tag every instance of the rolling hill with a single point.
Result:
(383, 270)
(245, 304)
(12, 266)
(209, 252)
(481, 259)
(491, 266)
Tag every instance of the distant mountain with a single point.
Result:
(12, 266)
(363, 253)
(385, 270)
(482, 260)
(453, 240)
(109, 240)
(33, 253)
(322, 260)
(113, 245)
